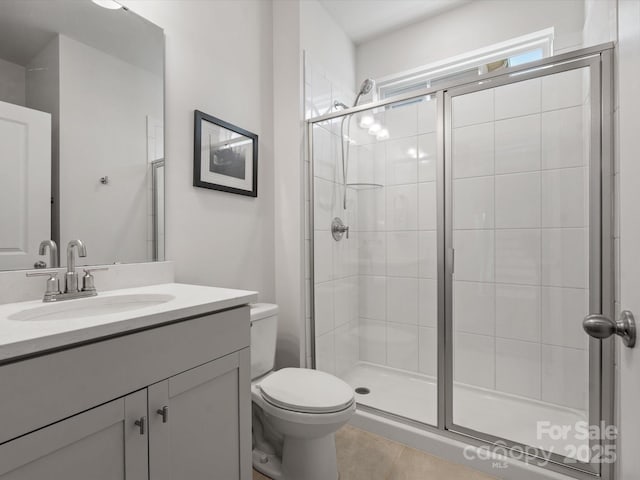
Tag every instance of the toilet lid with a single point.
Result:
(306, 391)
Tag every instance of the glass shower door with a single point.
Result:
(524, 243)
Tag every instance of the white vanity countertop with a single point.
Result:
(20, 338)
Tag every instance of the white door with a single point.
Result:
(25, 184)
(628, 175)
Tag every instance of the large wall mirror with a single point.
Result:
(81, 132)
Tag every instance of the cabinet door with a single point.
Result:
(100, 444)
(206, 430)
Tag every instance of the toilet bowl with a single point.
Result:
(296, 411)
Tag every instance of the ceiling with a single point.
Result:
(27, 26)
(363, 20)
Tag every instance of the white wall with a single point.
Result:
(326, 44)
(628, 113)
(12, 83)
(469, 27)
(289, 200)
(104, 104)
(218, 60)
(600, 22)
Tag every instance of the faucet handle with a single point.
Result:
(53, 285)
(87, 280)
(88, 271)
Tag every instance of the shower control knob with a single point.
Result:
(338, 229)
(601, 327)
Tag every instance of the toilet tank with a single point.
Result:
(264, 329)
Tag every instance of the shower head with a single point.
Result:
(365, 88)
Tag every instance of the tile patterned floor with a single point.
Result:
(365, 456)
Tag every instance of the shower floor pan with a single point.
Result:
(414, 396)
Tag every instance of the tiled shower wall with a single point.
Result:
(397, 237)
(336, 269)
(520, 212)
(385, 273)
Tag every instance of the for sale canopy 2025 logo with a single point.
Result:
(573, 443)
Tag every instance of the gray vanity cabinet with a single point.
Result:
(169, 403)
(197, 419)
(98, 444)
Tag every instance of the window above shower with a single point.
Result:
(511, 53)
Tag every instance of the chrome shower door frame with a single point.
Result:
(601, 358)
(601, 295)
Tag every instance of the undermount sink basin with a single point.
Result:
(90, 307)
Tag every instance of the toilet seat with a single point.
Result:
(306, 391)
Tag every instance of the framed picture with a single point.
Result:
(225, 157)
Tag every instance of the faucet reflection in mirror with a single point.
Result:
(53, 293)
(53, 252)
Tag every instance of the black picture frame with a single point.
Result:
(235, 169)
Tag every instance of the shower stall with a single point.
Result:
(460, 234)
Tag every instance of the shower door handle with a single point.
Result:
(601, 327)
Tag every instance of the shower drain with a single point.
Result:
(363, 390)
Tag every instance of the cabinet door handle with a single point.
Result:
(141, 424)
(164, 413)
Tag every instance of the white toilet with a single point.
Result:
(296, 411)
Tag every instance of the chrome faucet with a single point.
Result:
(71, 277)
(53, 252)
(71, 290)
